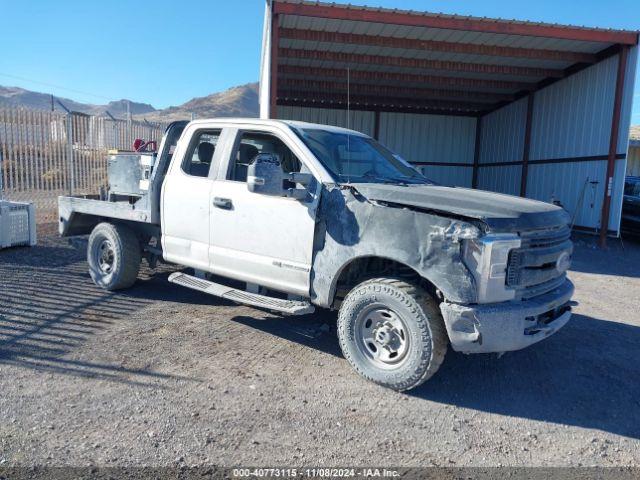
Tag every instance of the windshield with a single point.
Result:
(355, 158)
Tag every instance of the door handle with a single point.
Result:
(224, 203)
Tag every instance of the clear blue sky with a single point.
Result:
(167, 52)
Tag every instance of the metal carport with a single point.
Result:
(524, 108)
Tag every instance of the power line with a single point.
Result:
(56, 86)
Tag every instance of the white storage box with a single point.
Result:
(17, 224)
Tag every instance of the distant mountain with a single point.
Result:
(119, 108)
(239, 101)
(19, 97)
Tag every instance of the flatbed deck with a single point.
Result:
(73, 208)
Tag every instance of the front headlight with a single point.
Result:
(487, 258)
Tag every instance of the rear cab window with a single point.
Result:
(199, 158)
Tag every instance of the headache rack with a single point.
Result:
(539, 265)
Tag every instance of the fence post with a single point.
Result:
(3, 141)
(72, 176)
(129, 124)
(1, 172)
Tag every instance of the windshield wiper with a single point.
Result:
(387, 180)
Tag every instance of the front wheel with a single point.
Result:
(392, 333)
(114, 256)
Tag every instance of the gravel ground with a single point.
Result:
(160, 376)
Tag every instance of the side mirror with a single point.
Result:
(265, 175)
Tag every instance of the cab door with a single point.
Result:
(186, 194)
(257, 238)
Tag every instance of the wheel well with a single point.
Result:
(81, 224)
(364, 268)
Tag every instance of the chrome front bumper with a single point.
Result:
(507, 326)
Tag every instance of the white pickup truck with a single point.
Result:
(289, 216)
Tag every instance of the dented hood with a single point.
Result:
(501, 213)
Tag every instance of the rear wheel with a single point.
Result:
(392, 333)
(114, 256)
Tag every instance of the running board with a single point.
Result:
(240, 296)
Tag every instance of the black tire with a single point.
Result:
(426, 337)
(120, 244)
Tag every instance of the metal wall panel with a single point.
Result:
(502, 140)
(432, 138)
(572, 118)
(358, 120)
(449, 176)
(502, 179)
(502, 136)
(570, 184)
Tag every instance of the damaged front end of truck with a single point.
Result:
(497, 264)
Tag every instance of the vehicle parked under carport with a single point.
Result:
(306, 215)
(631, 206)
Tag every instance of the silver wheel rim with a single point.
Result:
(382, 337)
(106, 257)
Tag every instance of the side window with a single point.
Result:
(628, 188)
(197, 161)
(632, 188)
(253, 143)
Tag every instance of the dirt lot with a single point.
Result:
(159, 375)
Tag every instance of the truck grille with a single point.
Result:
(532, 269)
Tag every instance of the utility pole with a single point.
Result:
(52, 106)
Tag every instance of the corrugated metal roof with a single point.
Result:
(424, 54)
(453, 16)
(324, 37)
(426, 33)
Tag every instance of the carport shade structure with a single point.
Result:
(330, 56)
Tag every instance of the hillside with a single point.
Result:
(19, 97)
(241, 101)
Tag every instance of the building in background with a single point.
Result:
(633, 159)
(524, 108)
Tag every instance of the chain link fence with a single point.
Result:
(47, 154)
